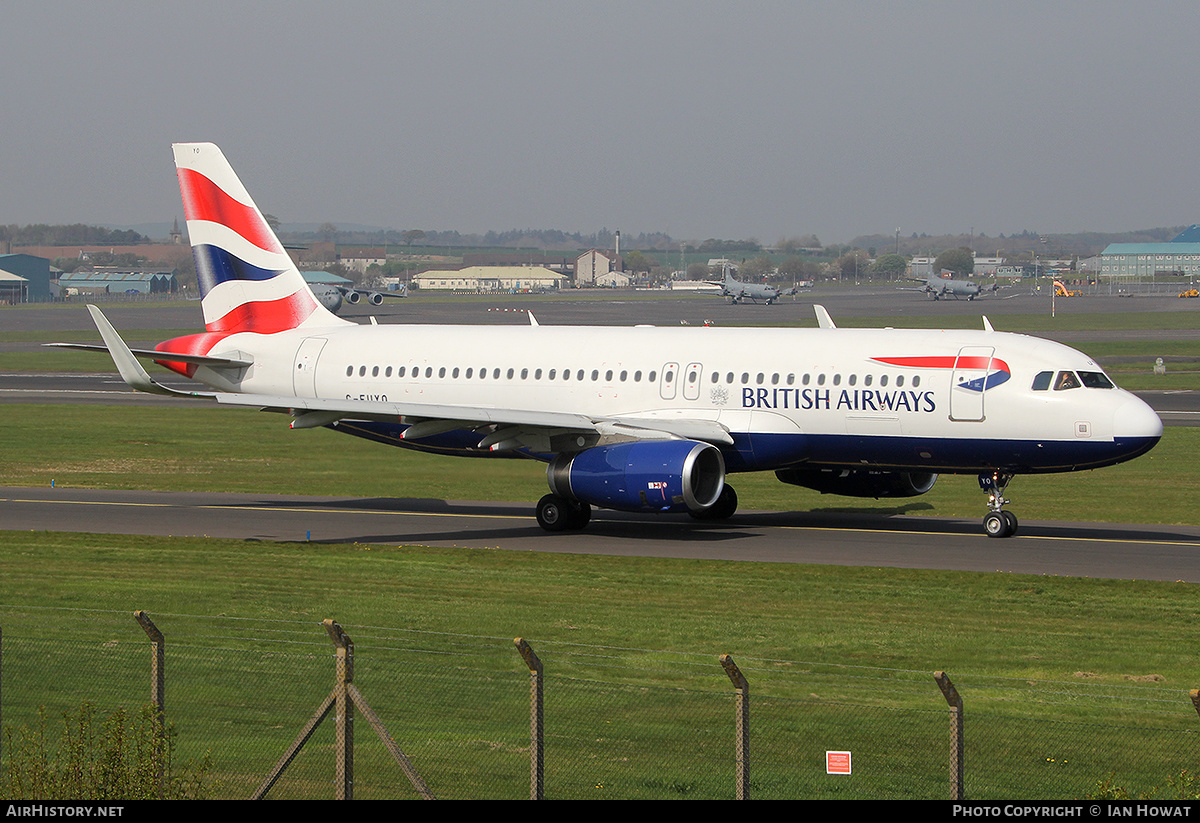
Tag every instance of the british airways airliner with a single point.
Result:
(639, 419)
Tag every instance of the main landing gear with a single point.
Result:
(997, 522)
(560, 514)
(723, 509)
(556, 513)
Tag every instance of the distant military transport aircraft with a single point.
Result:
(333, 297)
(642, 419)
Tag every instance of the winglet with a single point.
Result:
(129, 367)
(823, 318)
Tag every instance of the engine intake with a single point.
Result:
(658, 475)
(860, 482)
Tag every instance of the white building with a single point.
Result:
(592, 266)
(491, 279)
(360, 260)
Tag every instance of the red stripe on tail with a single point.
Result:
(205, 200)
(267, 316)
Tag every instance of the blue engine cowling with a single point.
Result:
(649, 475)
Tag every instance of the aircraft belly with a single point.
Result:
(966, 455)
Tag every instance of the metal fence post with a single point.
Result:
(536, 740)
(158, 687)
(956, 733)
(742, 746)
(158, 679)
(344, 712)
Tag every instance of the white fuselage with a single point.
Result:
(935, 400)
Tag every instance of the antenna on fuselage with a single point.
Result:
(987, 325)
(823, 318)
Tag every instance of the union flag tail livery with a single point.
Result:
(247, 280)
(640, 419)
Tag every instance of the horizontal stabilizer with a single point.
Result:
(173, 357)
(131, 370)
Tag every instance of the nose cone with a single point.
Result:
(1135, 419)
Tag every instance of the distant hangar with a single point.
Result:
(118, 281)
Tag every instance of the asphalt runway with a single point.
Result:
(1094, 550)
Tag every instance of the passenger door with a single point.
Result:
(304, 375)
(968, 382)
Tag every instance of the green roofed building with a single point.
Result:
(116, 281)
(1145, 261)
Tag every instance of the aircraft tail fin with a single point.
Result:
(248, 282)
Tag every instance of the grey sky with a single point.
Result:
(699, 119)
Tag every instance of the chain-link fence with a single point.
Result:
(615, 723)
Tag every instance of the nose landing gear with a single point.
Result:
(998, 522)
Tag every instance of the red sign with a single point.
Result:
(837, 762)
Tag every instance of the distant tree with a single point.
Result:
(272, 222)
(797, 268)
(960, 261)
(328, 231)
(635, 261)
(891, 265)
(411, 236)
(853, 264)
(697, 271)
(756, 268)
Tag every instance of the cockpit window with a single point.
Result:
(1096, 380)
(1042, 381)
(1066, 380)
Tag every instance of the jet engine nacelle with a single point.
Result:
(650, 475)
(860, 482)
(352, 297)
(375, 298)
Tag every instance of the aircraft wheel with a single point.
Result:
(995, 524)
(1011, 519)
(579, 514)
(723, 509)
(558, 514)
(553, 513)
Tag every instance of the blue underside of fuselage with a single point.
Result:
(767, 452)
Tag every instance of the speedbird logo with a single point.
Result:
(976, 372)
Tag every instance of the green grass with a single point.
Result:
(637, 704)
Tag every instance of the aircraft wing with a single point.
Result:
(426, 420)
(372, 296)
